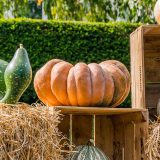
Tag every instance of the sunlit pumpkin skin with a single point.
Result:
(98, 84)
(123, 68)
(60, 83)
(109, 87)
(71, 88)
(120, 82)
(83, 84)
(42, 83)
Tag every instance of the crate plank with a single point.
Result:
(152, 58)
(96, 110)
(120, 134)
(129, 133)
(64, 125)
(82, 129)
(140, 137)
(151, 44)
(137, 69)
(64, 128)
(152, 95)
(118, 142)
(152, 69)
(145, 56)
(104, 135)
(130, 117)
(150, 30)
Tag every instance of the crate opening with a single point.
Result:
(152, 68)
(119, 136)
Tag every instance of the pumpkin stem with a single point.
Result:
(20, 45)
(90, 142)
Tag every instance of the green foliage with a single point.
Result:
(70, 41)
(20, 8)
(83, 10)
(101, 10)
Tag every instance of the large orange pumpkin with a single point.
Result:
(60, 83)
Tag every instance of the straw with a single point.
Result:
(30, 132)
(153, 142)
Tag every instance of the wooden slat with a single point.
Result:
(137, 69)
(152, 58)
(133, 47)
(152, 95)
(152, 68)
(96, 110)
(104, 135)
(64, 125)
(64, 129)
(151, 30)
(130, 117)
(118, 142)
(82, 129)
(129, 133)
(141, 130)
(151, 44)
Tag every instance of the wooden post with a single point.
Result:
(71, 129)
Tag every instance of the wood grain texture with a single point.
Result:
(137, 69)
(129, 134)
(97, 110)
(121, 134)
(64, 125)
(152, 58)
(118, 142)
(140, 140)
(145, 67)
(152, 95)
(104, 135)
(82, 129)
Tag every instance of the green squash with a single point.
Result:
(88, 152)
(3, 65)
(17, 77)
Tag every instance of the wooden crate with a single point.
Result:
(120, 133)
(145, 67)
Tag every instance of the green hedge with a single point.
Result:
(70, 41)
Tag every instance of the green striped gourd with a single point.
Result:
(88, 152)
(15, 77)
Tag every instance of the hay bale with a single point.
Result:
(153, 143)
(30, 133)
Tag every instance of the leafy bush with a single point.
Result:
(70, 41)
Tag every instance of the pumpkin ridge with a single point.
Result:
(40, 94)
(71, 87)
(82, 148)
(98, 84)
(109, 88)
(104, 85)
(43, 74)
(119, 82)
(82, 77)
(59, 76)
(123, 83)
(122, 67)
(91, 85)
(89, 152)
